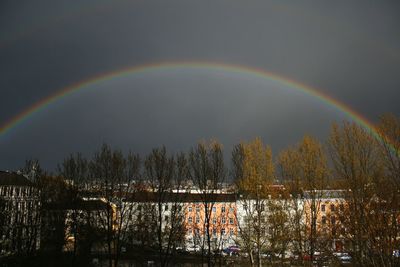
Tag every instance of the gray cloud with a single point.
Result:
(350, 51)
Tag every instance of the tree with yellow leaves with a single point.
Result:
(389, 192)
(304, 170)
(257, 175)
(357, 161)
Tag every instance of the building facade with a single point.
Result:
(19, 214)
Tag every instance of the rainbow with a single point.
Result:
(25, 115)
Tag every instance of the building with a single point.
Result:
(330, 206)
(184, 211)
(19, 214)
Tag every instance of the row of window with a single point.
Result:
(15, 191)
(214, 220)
(324, 220)
(214, 209)
(332, 207)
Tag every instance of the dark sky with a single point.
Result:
(347, 49)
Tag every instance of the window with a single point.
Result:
(232, 232)
(166, 207)
(323, 220)
(223, 209)
(323, 207)
(223, 231)
(333, 220)
(214, 209)
(166, 218)
(231, 209)
(223, 220)
(214, 220)
(190, 220)
(190, 209)
(214, 231)
(231, 220)
(332, 207)
(197, 209)
(197, 219)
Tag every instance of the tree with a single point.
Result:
(75, 171)
(389, 191)
(305, 172)
(207, 170)
(114, 176)
(356, 160)
(290, 173)
(257, 177)
(164, 174)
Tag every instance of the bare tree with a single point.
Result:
(166, 175)
(114, 176)
(356, 160)
(74, 170)
(207, 170)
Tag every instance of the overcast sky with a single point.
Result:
(347, 49)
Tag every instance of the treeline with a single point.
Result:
(345, 192)
(364, 165)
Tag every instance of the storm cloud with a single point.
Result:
(350, 51)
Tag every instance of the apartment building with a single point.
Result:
(19, 214)
(329, 206)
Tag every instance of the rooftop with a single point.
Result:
(13, 179)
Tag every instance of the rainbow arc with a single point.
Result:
(252, 72)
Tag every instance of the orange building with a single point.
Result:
(330, 206)
(222, 212)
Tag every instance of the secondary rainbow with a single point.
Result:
(213, 66)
